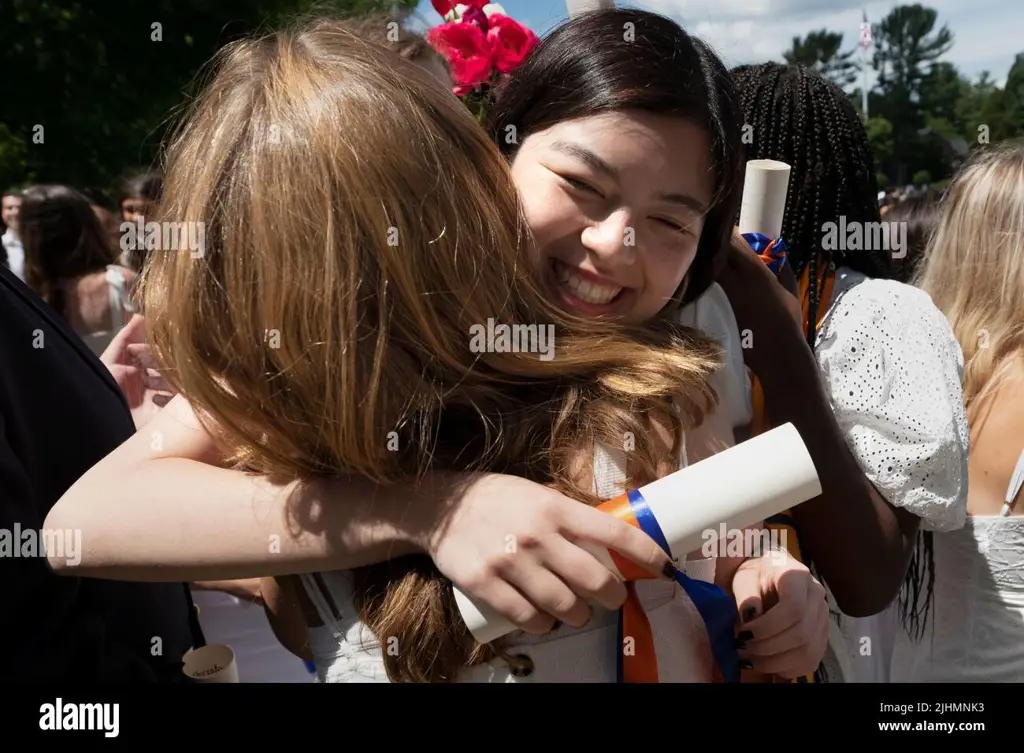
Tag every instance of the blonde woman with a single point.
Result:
(340, 369)
(974, 271)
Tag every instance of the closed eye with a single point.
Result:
(579, 185)
(674, 225)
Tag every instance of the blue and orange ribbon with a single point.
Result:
(772, 251)
(715, 606)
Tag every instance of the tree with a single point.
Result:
(907, 47)
(820, 51)
(90, 88)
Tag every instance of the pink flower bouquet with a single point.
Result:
(481, 44)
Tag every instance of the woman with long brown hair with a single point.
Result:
(71, 265)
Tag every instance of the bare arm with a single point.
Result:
(195, 521)
(161, 508)
(859, 543)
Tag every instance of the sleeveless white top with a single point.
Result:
(975, 630)
(121, 308)
(345, 650)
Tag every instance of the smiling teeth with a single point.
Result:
(586, 291)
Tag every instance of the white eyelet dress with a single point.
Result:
(892, 369)
(346, 651)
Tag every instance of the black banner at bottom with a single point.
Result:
(107, 717)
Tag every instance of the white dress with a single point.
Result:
(892, 369)
(346, 651)
(975, 631)
(121, 310)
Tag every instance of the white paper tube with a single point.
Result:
(764, 197)
(212, 663)
(576, 7)
(736, 488)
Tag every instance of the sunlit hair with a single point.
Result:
(974, 269)
(359, 222)
(389, 31)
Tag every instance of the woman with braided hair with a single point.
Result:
(889, 362)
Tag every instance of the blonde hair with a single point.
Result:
(347, 259)
(973, 268)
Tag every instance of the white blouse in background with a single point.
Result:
(975, 630)
(346, 651)
(892, 369)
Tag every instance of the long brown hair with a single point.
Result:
(359, 223)
(63, 239)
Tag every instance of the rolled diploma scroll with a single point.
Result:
(738, 487)
(764, 197)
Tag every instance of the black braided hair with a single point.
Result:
(801, 118)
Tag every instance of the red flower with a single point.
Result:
(466, 49)
(479, 4)
(444, 7)
(510, 42)
(476, 17)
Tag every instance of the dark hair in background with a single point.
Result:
(141, 185)
(801, 118)
(145, 185)
(63, 239)
(921, 213)
(587, 67)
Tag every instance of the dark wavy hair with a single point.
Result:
(63, 239)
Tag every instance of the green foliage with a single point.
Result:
(925, 116)
(106, 79)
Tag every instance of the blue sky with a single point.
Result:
(987, 34)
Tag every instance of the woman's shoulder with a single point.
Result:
(885, 301)
(892, 369)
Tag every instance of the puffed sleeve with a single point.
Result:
(892, 369)
(712, 314)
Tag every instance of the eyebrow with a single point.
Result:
(587, 156)
(593, 161)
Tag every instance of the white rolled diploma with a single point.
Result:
(764, 197)
(738, 487)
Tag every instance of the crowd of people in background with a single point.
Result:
(897, 365)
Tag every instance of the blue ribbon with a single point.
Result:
(771, 250)
(716, 607)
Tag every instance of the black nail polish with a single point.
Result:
(744, 664)
(670, 570)
(745, 636)
(739, 644)
(749, 613)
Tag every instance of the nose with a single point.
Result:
(612, 240)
